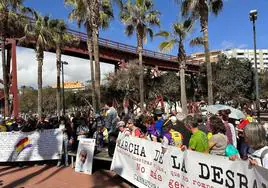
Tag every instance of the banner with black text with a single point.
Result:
(144, 164)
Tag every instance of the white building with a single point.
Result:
(262, 56)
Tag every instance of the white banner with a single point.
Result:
(30, 146)
(84, 156)
(142, 163)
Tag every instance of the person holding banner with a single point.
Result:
(198, 141)
(64, 151)
(255, 137)
(135, 131)
(218, 142)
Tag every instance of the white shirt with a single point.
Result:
(233, 134)
(257, 156)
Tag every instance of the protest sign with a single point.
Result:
(30, 146)
(84, 156)
(144, 164)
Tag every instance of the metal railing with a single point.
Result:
(124, 47)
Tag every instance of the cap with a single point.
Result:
(158, 112)
(120, 124)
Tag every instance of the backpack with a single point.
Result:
(176, 137)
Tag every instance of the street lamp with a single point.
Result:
(253, 18)
(62, 75)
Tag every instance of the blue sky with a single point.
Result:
(230, 29)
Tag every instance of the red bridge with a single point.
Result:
(110, 52)
(114, 52)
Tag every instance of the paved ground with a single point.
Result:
(50, 176)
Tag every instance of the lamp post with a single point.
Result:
(253, 18)
(62, 75)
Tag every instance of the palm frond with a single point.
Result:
(198, 41)
(166, 46)
(185, 8)
(216, 6)
(163, 34)
(129, 30)
(150, 33)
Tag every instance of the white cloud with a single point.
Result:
(227, 44)
(230, 44)
(243, 46)
(77, 70)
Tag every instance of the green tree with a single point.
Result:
(200, 9)
(139, 17)
(49, 100)
(39, 31)
(177, 38)
(10, 23)
(27, 104)
(264, 84)
(233, 80)
(94, 15)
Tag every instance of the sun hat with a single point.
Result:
(180, 116)
(120, 124)
(173, 119)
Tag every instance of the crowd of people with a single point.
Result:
(215, 134)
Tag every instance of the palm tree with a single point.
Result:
(9, 20)
(199, 9)
(139, 17)
(102, 13)
(82, 15)
(93, 14)
(39, 31)
(177, 38)
(60, 39)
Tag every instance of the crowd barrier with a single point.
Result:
(144, 164)
(30, 146)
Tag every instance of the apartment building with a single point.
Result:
(262, 56)
(200, 56)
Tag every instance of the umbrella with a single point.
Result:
(235, 113)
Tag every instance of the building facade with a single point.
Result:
(262, 57)
(72, 86)
(200, 57)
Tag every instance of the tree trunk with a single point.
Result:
(204, 27)
(97, 68)
(140, 48)
(95, 23)
(89, 47)
(209, 68)
(39, 78)
(183, 90)
(9, 79)
(58, 92)
(5, 81)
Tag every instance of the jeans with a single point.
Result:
(64, 152)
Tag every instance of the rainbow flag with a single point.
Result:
(23, 144)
